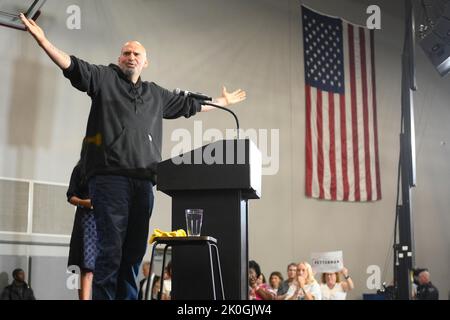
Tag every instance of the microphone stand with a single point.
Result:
(226, 109)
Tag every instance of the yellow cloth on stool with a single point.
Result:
(160, 233)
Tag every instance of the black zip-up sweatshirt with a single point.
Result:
(124, 130)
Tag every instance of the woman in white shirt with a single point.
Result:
(333, 288)
(306, 287)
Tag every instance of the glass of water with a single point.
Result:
(194, 218)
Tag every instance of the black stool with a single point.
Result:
(188, 241)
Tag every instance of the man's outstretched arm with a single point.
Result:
(60, 58)
(227, 98)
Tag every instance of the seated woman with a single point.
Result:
(275, 281)
(257, 291)
(306, 287)
(334, 289)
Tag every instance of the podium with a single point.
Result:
(219, 178)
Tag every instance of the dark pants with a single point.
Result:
(122, 209)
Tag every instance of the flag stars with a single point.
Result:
(323, 53)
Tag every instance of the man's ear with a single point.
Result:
(146, 64)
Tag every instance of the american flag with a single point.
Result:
(342, 160)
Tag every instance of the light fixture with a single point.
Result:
(435, 35)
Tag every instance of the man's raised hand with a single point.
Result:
(33, 28)
(60, 58)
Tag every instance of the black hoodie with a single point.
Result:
(124, 130)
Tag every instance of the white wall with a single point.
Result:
(255, 45)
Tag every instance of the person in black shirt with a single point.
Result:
(123, 147)
(426, 290)
(291, 275)
(18, 289)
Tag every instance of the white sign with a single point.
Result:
(327, 261)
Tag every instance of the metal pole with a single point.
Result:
(405, 246)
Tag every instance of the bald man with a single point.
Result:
(123, 146)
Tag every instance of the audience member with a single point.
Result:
(332, 288)
(18, 289)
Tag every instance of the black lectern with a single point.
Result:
(219, 178)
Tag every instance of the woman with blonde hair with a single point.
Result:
(306, 286)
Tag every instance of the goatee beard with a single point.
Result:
(128, 72)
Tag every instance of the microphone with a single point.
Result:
(195, 95)
(204, 100)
